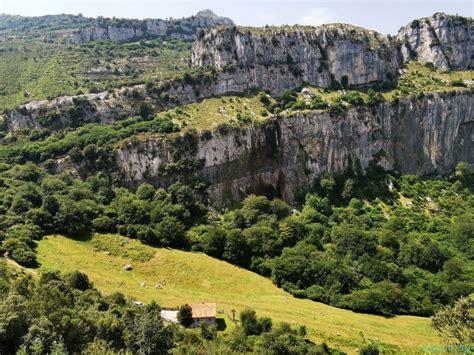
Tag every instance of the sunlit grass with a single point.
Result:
(193, 277)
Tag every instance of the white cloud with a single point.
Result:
(316, 17)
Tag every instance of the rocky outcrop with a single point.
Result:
(73, 111)
(445, 41)
(122, 30)
(275, 59)
(415, 136)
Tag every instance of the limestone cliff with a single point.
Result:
(416, 136)
(122, 30)
(443, 40)
(274, 59)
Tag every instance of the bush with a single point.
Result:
(384, 298)
(458, 83)
(317, 103)
(145, 109)
(354, 98)
(374, 98)
(78, 280)
(170, 232)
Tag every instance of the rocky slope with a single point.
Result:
(122, 30)
(415, 136)
(294, 57)
(272, 59)
(444, 40)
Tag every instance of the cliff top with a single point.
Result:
(438, 16)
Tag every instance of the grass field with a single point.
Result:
(193, 277)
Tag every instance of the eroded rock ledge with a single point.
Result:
(415, 136)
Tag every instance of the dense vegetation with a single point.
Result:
(61, 314)
(376, 243)
(359, 242)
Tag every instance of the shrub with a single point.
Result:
(317, 103)
(374, 98)
(78, 280)
(458, 83)
(263, 97)
(145, 109)
(354, 98)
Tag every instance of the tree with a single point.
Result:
(348, 190)
(236, 249)
(248, 320)
(146, 333)
(90, 152)
(145, 192)
(208, 332)
(355, 242)
(462, 170)
(170, 232)
(265, 324)
(370, 349)
(327, 182)
(213, 241)
(185, 315)
(455, 323)
(72, 218)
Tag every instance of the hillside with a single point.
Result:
(290, 170)
(193, 277)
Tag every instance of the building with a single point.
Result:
(203, 313)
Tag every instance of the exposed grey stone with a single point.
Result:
(445, 41)
(122, 30)
(415, 136)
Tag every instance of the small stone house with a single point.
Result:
(203, 313)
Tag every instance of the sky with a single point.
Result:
(385, 16)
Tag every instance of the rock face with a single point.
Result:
(72, 111)
(415, 136)
(444, 40)
(275, 59)
(122, 30)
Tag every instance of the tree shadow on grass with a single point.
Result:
(221, 325)
(84, 236)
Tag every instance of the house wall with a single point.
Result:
(198, 321)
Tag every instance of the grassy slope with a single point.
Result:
(193, 277)
(54, 69)
(209, 113)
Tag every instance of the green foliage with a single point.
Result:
(145, 110)
(42, 70)
(77, 280)
(354, 98)
(252, 325)
(145, 332)
(374, 97)
(456, 323)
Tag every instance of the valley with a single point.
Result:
(194, 277)
(315, 182)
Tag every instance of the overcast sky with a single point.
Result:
(381, 15)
